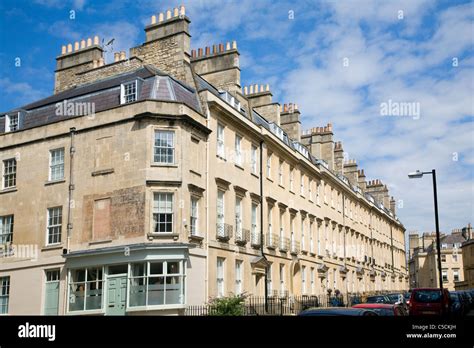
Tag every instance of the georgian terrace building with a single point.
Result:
(155, 181)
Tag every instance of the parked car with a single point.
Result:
(466, 298)
(399, 299)
(458, 307)
(429, 301)
(383, 309)
(378, 299)
(337, 311)
(407, 296)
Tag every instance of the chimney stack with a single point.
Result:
(290, 121)
(338, 158)
(221, 68)
(351, 172)
(71, 62)
(320, 142)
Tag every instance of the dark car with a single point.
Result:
(383, 309)
(429, 301)
(407, 296)
(467, 299)
(337, 311)
(378, 299)
(457, 307)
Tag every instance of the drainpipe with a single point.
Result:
(206, 281)
(71, 187)
(344, 240)
(72, 151)
(261, 226)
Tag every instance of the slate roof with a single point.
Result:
(105, 94)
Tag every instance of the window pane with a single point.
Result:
(164, 147)
(156, 291)
(156, 268)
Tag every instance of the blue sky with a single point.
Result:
(338, 60)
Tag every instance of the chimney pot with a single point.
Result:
(221, 47)
(208, 50)
(214, 49)
(96, 40)
(246, 90)
(227, 46)
(101, 61)
(200, 52)
(168, 14)
(161, 17)
(122, 55)
(153, 19)
(255, 88)
(193, 53)
(267, 87)
(69, 48)
(175, 12)
(89, 42)
(182, 11)
(262, 89)
(76, 46)
(63, 49)
(251, 89)
(116, 56)
(234, 45)
(83, 44)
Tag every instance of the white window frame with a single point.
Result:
(4, 294)
(7, 223)
(125, 97)
(312, 281)
(220, 212)
(269, 278)
(161, 152)
(238, 276)
(220, 140)
(53, 227)
(55, 167)
(11, 126)
(253, 155)
(282, 279)
(311, 237)
(194, 217)
(269, 165)
(292, 179)
(254, 228)
(238, 149)
(166, 207)
(11, 175)
(456, 275)
(303, 237)
(238, 217)
(303, 280)
(220, 276)
(310, 189)
(280, 172)
(302, 190)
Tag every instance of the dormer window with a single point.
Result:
(129, 91)
(13, 121)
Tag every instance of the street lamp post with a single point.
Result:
(416, 175)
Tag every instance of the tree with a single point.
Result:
(233, 305)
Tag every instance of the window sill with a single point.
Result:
(166, 165)
(269, 179)
(100, 241)
(53, 182)
(52, 247)
(89, 312)
(291, 191)
(158, 235)
(103, 172)
(196, 237)
(303, 196)
(239, 166)
(221, 158)
(156, 307)
(8, 190)
(255, 175)
(283, 187)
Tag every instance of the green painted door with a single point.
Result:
(51, 293)
(116, 295)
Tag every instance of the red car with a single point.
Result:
(429, 301)
(383, 309)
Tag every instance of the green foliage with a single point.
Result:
(228, 306)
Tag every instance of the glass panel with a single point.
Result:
(156, 291)
(156, 268)
(173, 290)
(172, 267)
(118, 269)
